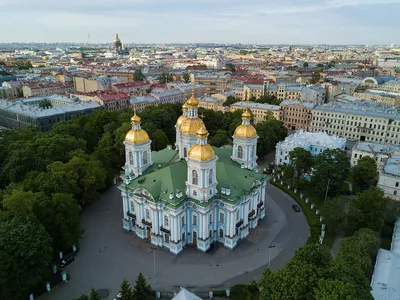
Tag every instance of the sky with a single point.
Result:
(370, 22)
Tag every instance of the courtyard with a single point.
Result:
(108, 254)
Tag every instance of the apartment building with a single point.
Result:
(39, 88)
(379, 152)
(259, 111)
(389, 177)
(213, 82)
(296, 115)
(99, 83)
(209, 102)
(162, 97)
(136, 88)
(392, 86)
(119, 72)
(361, 120)
(379, 96)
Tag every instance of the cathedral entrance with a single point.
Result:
(148, 234)
(195, 238)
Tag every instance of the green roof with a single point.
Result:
(168, 174)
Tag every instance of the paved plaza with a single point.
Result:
(108, 254)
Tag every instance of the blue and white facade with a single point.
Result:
(315, 142)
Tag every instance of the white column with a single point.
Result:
(246, 212)
(233, 223)
(139, 216)
(155, 222)
(200, 232)
(205, 223)
(176, 229)
(124, 206)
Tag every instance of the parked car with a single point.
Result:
(296, 208)
(118, 296)
(66, 260)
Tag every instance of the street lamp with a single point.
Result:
(154, 262)
(269, 259)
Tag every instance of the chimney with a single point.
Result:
(171, 195)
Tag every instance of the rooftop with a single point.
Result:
(392, 166)
(254, 105)
(295, 102)
(305, 140)
(372, 147)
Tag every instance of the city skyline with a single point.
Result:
(264, 22)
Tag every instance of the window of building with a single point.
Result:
(194, 220)
(211, 218)
(240, 152)
(195, 177)
(397, 184)
(211, 233)
(132, 207)
(166, 221)
(183, 237)
(210, 176)
(221, 233)
(194, 193)
(395, 193)
(237, 215)
(184, 152)
(166, 238)
(145, 157)
(131, 158)
(183, 220)
(147, 214)
(221, 217)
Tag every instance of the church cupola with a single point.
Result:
(137, 149)
(201, 161)
(189, 127)
(245, 143)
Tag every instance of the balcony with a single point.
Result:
(146, 223)
(165, 230)
(131, 215)
(252, 213)
(240, 223)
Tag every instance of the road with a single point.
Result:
(108, 254)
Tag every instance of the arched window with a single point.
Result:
(145, 157)
(240, 152)
(221, 233)
(184, 152)
(210, 176)
(195, 177)
(130, 158)
(183, 237)
(194, 193)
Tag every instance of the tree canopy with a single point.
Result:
(301, 160)
(139, 76)
(363, 172)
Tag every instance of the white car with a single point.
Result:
(118, 296)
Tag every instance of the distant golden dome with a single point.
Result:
(201, 152)
(180, 120)
(191, 126)
(135, 119)
(185, 106)
(246, 115)
(137, 136)
(192, 102)
(245, 131)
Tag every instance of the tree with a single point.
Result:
(333, 289)
(363, 172)
(305, 65)
(93, 295)
(392, 210)
(230, 100)
(126, 291)
(159, 140)
(315, 77)
(165, 78)
(368, 210)
(334, 214)
(139, 76)
(270, 132)
(142, 289)
(331, 166)
(269, 99)
(220, 139)
(231, 67)
(25, 252)
(45, 104)
(302, 161)
(288, 174)
(186, 77)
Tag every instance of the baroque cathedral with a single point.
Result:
(195, 195)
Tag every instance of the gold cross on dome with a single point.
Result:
(134, 111)
(202, 116)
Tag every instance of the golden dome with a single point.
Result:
(135, 119)
(201, 152)
(191, 126)
(180, 120)
(246, 115)
(137, 136)
(192, 102)
(202, 133)
(116, 39)
(245, 131)
(185, 106)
